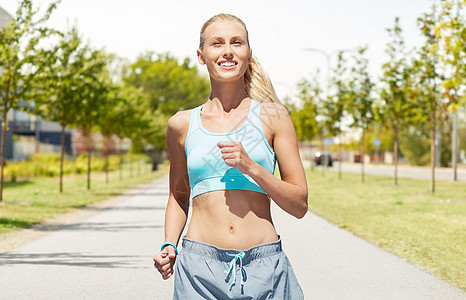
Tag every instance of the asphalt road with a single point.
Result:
(109, 256)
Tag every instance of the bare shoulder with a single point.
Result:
(178, 124)
(274, 112)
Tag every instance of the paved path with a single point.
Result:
(109, 256)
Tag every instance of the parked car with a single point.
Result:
(320, 157)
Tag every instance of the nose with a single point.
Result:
(228, 53)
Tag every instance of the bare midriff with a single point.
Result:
(232, 219)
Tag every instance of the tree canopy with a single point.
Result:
(170, 85)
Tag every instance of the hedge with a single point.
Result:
(48, 164)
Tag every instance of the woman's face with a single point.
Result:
(226, 52)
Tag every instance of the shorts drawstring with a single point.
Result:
(232, 267)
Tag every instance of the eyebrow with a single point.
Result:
(233, 37)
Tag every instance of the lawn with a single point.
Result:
(426, 229)
(30, 202)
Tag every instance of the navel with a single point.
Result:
(232, 229)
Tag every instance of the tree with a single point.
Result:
(415, 144)
(378, 131)
(452, 30)
(142, 118)
(309, 119)
(428, 81)
(22, 60)
(360, 99)
(94, 94)
(306, 116)
(335, 105)
(396, 107)
(128, 114)
(156, 133)
(66, 86)
(109, 121)
(169, 84)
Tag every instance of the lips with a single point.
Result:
(227, 64)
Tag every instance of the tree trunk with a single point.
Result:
(2, 154)
(362, 155)
(154, 160)
(106, 168)
(37, 134)
(321, 155)
(131, 165)
(340, 156)
(120, 166)
(395, 153)
(62, 155)
(432, 150)
(454, 146)
(89, 168)
(139, 167)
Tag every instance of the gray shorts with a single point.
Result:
(203, 271)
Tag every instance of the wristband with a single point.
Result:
(171, 244)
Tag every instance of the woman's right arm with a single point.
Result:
(179, 191)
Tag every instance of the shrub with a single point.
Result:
(48, 164)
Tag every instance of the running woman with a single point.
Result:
(223, 156)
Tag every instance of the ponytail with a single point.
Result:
(258, 84)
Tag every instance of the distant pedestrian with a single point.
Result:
(223, 155)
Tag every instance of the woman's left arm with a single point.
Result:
(289, 192)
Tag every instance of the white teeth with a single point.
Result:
(227, 64)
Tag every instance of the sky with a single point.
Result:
(279, 31)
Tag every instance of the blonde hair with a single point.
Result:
(257, 83)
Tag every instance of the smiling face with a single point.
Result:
(225, 50)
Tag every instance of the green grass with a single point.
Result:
(427, 229)
(32, 201)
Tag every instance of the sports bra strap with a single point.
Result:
(195, 119)
(254, 117)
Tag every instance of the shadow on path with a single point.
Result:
(100, 226)
(69, 259)
(122, 208)
(113, 194)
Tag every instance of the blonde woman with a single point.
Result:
(223, 156)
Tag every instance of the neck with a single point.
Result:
(228, 94)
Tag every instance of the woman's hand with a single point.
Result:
(164, 261)
(234, 155)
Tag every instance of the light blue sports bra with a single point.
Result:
(208, 171)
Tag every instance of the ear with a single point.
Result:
(250, 56)
(200, 57)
